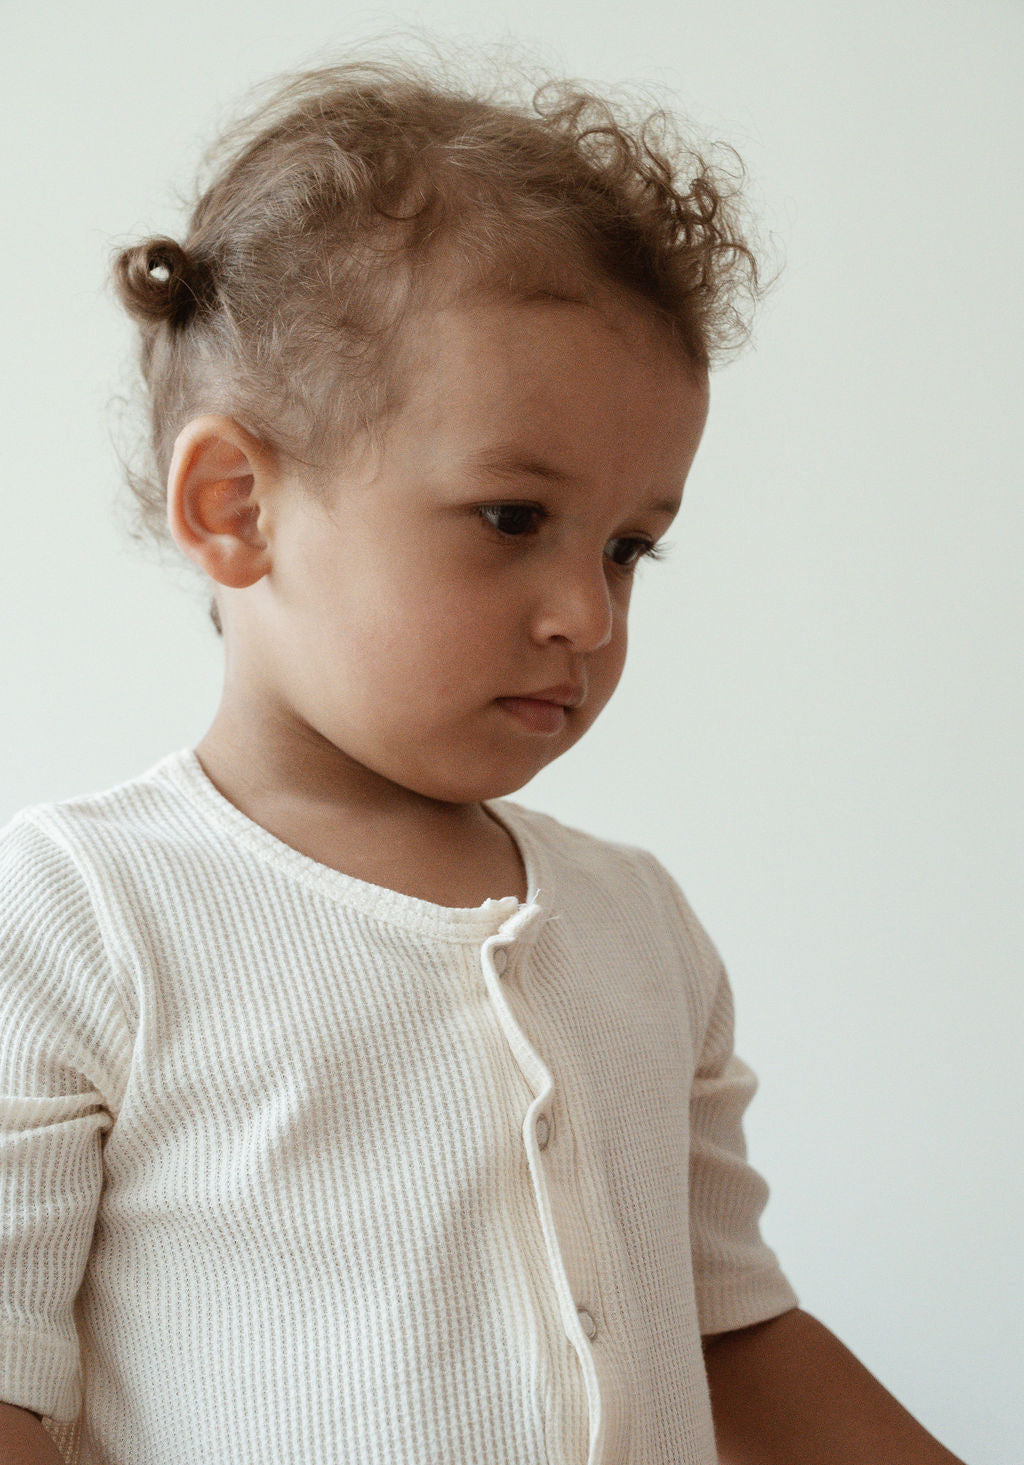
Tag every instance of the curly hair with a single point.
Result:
(351, 191)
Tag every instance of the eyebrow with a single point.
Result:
(508, 461)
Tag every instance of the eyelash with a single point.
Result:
(649, 550)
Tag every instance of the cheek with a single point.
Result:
(426, 645)
(611, 661)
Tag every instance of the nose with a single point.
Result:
(575, 605)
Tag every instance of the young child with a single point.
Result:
(353, 1112)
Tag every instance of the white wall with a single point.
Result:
(817, 728)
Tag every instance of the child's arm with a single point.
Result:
(65, 1048)
(23, 1440)
(788, 1392)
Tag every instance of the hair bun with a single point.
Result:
(158, 281)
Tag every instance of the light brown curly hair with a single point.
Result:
(335, 197)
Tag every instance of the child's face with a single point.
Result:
(382, 636)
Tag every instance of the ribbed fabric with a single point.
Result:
(298, 1170)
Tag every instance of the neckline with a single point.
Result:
(188, 776)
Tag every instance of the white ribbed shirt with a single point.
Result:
(300, 1170)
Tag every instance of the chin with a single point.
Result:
(479, 793)
(464, 774)
(497, 783)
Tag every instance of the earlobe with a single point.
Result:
(215, 483)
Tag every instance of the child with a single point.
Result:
(354, 1113)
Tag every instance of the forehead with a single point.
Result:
(521, 349)
(557, 303)
(603, 392)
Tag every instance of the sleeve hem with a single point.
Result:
(753, 1297)
(39, 1372)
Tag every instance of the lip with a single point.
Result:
(566, 694)
(539, 714)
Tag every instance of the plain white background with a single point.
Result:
(818, 728)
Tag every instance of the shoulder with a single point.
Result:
(97, 847)
(49, 875)
(66, 998)
(39, 876)
(84, 821)
(629, 869)
(629, 875)
(566, 841)
(70, 875)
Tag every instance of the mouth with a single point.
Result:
(535, 714)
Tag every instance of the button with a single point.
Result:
(500, 958)
(543, 1131)
(587, 1322)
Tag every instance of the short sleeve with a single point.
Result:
(64, 1038)
(737, 1277)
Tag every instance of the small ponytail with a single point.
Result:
(159, 281)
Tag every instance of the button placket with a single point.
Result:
(496, 962)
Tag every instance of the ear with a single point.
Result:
(219, 478)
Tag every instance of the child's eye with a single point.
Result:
(514, 520)
(636, 550)
(517, 519)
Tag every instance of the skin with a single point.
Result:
(366, 643)
(788, 1392)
